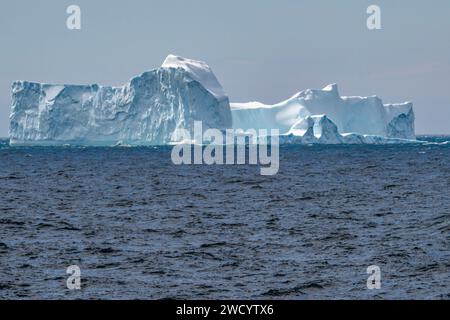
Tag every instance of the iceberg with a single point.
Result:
(151, 108)
(147, 110)
(323, 116)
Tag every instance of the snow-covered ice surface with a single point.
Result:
(199, 71)
(152, 106)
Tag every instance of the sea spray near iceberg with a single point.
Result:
(150, 109)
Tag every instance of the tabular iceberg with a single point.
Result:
(150, 108)
(323, 116)
(146, 111)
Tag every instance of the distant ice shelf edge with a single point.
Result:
(150, 108)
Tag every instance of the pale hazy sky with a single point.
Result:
(264, 50)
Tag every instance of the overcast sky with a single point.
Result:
(259, 50)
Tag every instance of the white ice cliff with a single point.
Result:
(145, 111)
(151, 107)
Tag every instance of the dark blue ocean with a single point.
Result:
(140, 227)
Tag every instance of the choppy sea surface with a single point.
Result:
(140, 227)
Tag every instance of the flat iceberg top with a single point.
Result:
(249, 105)
(199, 71)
